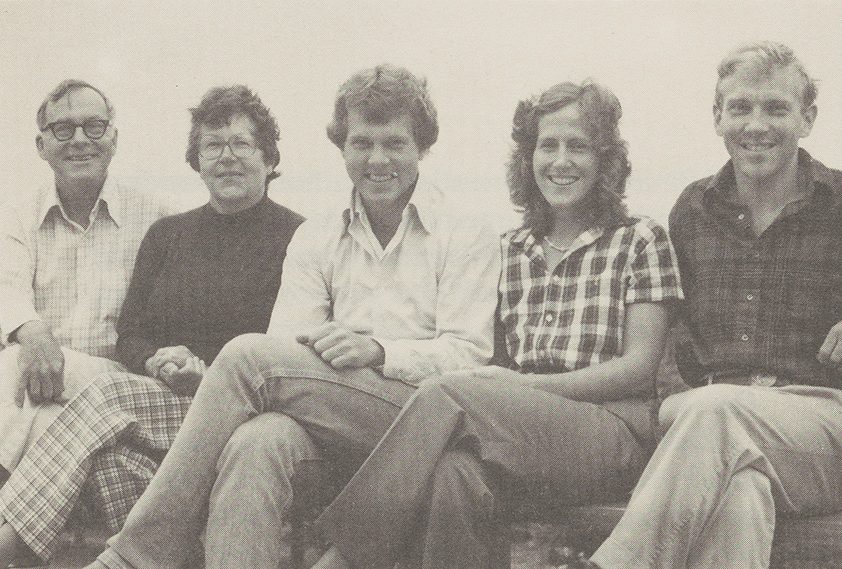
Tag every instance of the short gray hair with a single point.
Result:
(63, 89)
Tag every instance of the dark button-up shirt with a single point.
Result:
(760, 304)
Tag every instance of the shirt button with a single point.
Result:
(548, 318)
(741, 217)
(749, 297)
(744, 337)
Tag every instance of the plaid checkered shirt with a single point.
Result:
(574, 316)
(72, 278)
(760, 304)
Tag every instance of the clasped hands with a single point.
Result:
(177, 367)
(342, 348)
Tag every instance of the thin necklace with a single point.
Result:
(554, 246)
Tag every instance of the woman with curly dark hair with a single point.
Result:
(565, 417)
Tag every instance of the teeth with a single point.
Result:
(80, 158)
(754, 147)
(563, 180)
(381, 178)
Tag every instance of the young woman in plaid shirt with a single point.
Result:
(566, 415)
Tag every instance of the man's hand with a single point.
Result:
(342, 348)
(40, 364)
(830, 354)
(178, 355)
(184, 380)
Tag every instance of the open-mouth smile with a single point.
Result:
(563, 180)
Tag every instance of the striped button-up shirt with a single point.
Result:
(73, 278)
(428, 297)
(574, 317)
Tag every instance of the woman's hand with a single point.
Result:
(177, 355)
(184, 380)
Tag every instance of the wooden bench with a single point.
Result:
(813, 542)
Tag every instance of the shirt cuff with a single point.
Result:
(16, 319)
(402, 362)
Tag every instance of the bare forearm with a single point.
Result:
(629, 375)
(620, 378)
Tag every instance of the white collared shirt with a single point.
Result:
(428, 297)
(72, 278)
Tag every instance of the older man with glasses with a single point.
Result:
(67, 251)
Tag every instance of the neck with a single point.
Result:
(567, 225)
(776, 190)
(78, 199)
(230, 208)
(385, 217)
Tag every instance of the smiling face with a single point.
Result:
(381, 159)
(565, 162)
(761, 119)
(79, 161)
(235, 184)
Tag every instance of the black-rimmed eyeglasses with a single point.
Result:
(211, 147)
(64, 130)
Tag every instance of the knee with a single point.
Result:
(263, 353)
(242, 347)
(268, 443)
(719, 401)
(451, 386)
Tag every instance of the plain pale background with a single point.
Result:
(156, 59)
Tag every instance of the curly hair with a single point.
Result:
(600, 112)
(381, 94)
(216, 110)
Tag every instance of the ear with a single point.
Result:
(717, 119)
(808, 119)
(39, 144)
(114, 140)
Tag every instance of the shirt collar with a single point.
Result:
(422, 201)
(526, 240)
(109, 195)
(723, 185)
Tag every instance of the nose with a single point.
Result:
(377, 156)
(756, 121)
(227, 154)
(79, 135)
(561, 158)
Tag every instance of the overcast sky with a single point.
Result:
(156, 59)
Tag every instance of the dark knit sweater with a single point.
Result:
(201, 278)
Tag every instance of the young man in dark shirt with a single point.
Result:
(758, 247)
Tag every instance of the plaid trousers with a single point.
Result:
(108, 440)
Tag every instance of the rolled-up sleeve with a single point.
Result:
(465, 306)
(654, 273)
(17, 271)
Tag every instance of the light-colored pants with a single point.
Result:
(20, 426)
(732, 457)
(464, 452)
(342, 411)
